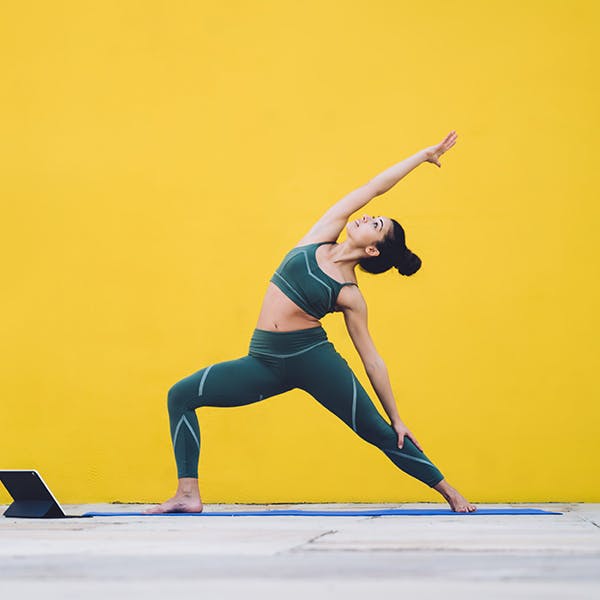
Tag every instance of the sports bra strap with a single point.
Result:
(342, 284)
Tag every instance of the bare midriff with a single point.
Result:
(279, 313)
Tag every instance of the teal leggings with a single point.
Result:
(278, 361)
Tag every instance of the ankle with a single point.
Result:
(187, 494)
(445, 489)
(188, 487)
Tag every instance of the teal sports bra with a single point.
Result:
(301, 279)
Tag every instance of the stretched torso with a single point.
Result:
(280, 313)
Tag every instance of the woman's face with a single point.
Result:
(367, 231)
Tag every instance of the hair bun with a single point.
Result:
(408, 263)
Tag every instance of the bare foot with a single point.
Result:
(457, 502)
(177, 504)
(186, 499)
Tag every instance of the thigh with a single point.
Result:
(326, 375)
(234, 382)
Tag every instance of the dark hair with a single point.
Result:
(392, 253)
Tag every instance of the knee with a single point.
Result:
(176, 399)
(381, 435)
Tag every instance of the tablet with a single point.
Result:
(32, 498)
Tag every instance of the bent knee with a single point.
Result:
(380, 435)
(177, 399)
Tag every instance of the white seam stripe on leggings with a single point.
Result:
(408, 456)
(189, 427)
(203, 379)
(353, 403)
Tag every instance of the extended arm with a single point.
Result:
(390, 177)
(380, 184)
(331, 224)
(355, 316)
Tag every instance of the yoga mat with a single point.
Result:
(334, 513)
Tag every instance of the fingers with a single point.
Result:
(401, 440)
(444, 146)
(414, 439)
(449, 140)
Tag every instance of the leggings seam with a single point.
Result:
(403, 455)
(201, 387)
(353, 403)
(182, 420)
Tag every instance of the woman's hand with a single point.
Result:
(433, 153)
(401, 429)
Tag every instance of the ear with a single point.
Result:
(372, 251)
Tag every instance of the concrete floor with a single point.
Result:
(472, 556)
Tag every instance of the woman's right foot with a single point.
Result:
(457, 502)
(177, 504)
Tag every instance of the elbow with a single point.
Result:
(376, 188)
(374, 364)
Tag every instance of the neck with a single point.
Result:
(347, 253)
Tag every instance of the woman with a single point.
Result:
(289, 348)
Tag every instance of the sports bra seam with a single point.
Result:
(329, 288)
(298, 295)
(341, 283)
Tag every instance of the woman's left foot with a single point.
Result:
(177, 504)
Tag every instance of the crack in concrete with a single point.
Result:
(308, 542)
(588, 520)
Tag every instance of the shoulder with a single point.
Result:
(350, 299)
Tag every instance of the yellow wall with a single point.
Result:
(158, 159)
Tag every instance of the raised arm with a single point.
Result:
(390, 177)
(331, 224)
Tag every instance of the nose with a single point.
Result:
(365, 218)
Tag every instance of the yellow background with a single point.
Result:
(159, 158)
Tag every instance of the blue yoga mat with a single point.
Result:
(334, 513)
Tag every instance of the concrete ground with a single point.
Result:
(468, 556)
